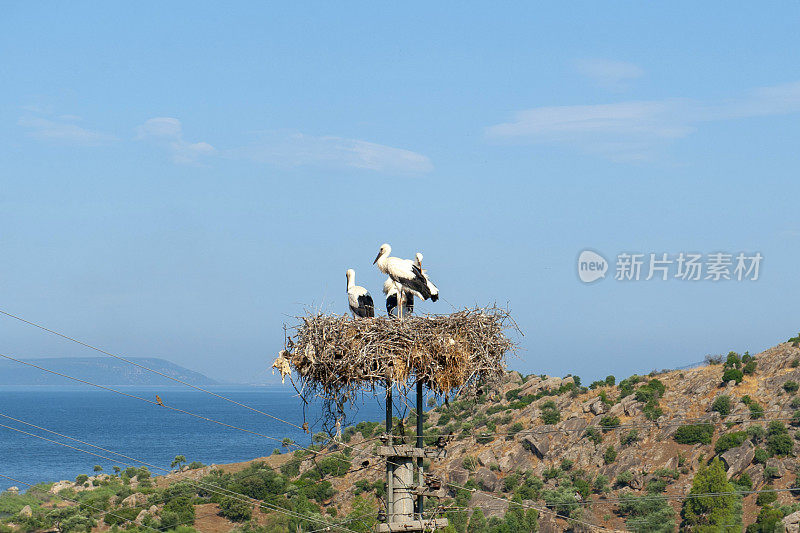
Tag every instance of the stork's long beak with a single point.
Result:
(377, 257)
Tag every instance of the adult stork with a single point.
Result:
(358, 297)
(431, 287)
(404, 272)
(395, 296)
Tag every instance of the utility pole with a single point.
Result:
(403, 513)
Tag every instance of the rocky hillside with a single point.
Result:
(707, 449)
(623, 454)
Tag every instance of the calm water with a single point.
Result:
(150, 433)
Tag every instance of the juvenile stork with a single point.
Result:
(431, 287)
(395, 295)
(404, 272)
(358, 297)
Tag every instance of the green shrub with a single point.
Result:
(767, 497)
(733, 374)
(610, 455)
(656, 485)
(795, 341)
(647, 514)
(722, 405)
(629, 438)
(235, 510)
(624, 478)
(177, 511)
(729, 440)
(749, 369)
(694, 434)
(756, 411)
(566, 464)
(609, 422)
(760, 455)
(81, 479)
(768, 521)
(291, 468)
(550, 414)
(791, 386)
(593, 434)
(600, 485)
(779, 443)
(610, 380)
(733, 360)
(470, 463)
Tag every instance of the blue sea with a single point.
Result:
(147, 432)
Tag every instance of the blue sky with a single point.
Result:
(179, 179)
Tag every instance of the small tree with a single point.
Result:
(722, 405)
(98, 468)
(712, 513)
(477, 522)
(235, 510)
(610, 455)
(117, 470)
(178, 461)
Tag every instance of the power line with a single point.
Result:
(230, 494)
(152, 402)
(147, 368)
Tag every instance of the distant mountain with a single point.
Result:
(100, 370)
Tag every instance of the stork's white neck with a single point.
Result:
(351, 282)
(382, 262)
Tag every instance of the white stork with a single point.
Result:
(394, 290)
(431, 286)
(358, 297)
(403, 271)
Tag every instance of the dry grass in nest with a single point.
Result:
(337, 358)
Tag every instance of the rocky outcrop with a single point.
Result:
(26, 512)
(486, 479)
(136, 499)
(737, 459)
(491, 506)
(792, 522)
(58, 486)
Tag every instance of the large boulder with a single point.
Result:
(26, 512)
(739, 458)
(538, 444)
(594, 406)
(141, 516)
(134, 500)
(490, 505)
(58, 486)
(792, 522)
(487, 458)
(515, 459)
(486, 479)
(457, 476)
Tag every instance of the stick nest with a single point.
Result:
(337, 358)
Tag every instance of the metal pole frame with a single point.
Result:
(389, 466)
(420, 444)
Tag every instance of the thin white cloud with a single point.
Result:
(609, 74)
(638, 130)
(305, 150)
(62, 131)
(168, 132)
